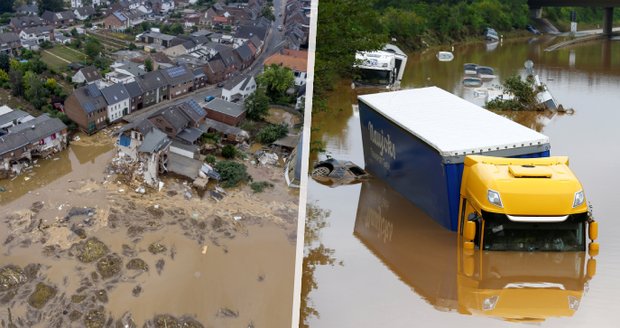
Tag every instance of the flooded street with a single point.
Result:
(80, 249)
(372, 259)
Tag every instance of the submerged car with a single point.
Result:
(533, 30)
(491, 34)
(333, 173)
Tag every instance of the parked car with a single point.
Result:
(533, 30)
(220, 85)
(209, 98)
(280, 27)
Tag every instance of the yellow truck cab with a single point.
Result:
(523, 204)
(521, 286)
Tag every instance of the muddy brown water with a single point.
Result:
(214, 269)
(375, 260)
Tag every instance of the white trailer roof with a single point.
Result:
(450, 124)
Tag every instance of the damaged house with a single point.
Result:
(165, 142)
(38, 137)
(145, 144)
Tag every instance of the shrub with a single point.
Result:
(260, 186)
(271, 133)
(232, 173)
(210, 159)
(229, 152)
(210, 138)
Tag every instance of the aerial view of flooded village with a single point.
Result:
(464, 159)
(150, 161)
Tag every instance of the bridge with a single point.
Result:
(608, 16)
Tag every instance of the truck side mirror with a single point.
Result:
(470, 231)
(593, 230)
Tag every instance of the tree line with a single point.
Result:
(346, 26)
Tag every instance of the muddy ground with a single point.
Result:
(86, 250)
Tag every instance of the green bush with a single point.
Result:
(229, 152)
(232, 173)
(210, 138)
(210, 159)
(524, 92)
(271, 133)
(260, 186)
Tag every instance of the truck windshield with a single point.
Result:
(501, 234)
(374, 77)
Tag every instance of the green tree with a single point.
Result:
(229, 152)
(46, 44)
(17, 82)
(51, 5)
(257, 105)
(174, 29)
(148, 64)
(27, 54)
(267, 13)
(524, 92)
(276, 80)
(93, 48)
(5, 62)
(6, 6)
(406, 26)
(271, 133)
(340, 37)
(38, 66)
(145, 26)
(232, 173)
(4, 77)
(35, 92)
(51, 84)
(76, 43)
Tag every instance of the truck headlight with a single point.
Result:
(579, 198)
(493, 197)
(573, 303)
(489, 303)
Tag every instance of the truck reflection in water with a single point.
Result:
(512, 285)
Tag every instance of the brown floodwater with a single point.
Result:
(223, 264)
(372, 259)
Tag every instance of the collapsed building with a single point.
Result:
(24, 140)
(167, 142)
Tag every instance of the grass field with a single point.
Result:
(60, 56)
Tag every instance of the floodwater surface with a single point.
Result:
(81, 249)
(372, 259)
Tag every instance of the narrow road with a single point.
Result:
(589, 32)
(198, 96)
(273, 42)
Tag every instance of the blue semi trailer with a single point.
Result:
(417, 139)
